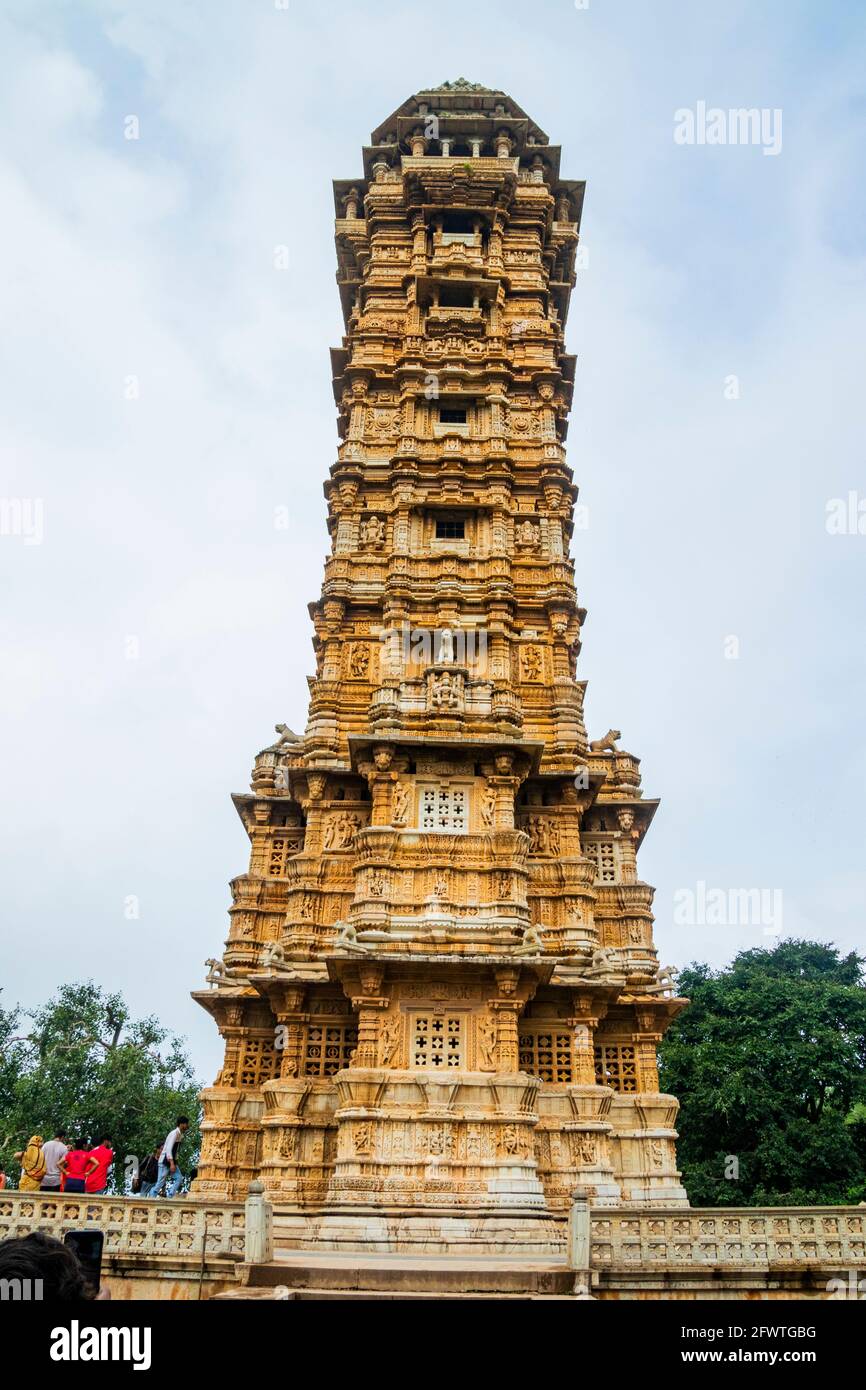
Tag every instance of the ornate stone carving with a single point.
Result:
(606, 744)
(340, 830)
(442, 866)
(532, 664)
(373, 533)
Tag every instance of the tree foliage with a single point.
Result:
(769, 1065)
(83, 1064)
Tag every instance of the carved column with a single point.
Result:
(287, 1003)
(628, 845)
(507, 1008)
(646, 1039)
(370, 1004)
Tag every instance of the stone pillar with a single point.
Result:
(258, 1226)
(580, 1245)
(584, 1053)
(357, 415)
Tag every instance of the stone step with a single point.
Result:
(288, 1294)
(409, 1276)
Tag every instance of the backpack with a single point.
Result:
(37, 1172)
(147, 1171)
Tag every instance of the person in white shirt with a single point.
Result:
(53, 1151)
(168, 1164)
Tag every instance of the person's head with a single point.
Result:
(38, 1256)
(182, 1122)
(61, 1135)
(157, 1151)
(105, 1142)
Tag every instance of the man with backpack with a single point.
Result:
(168, 1164)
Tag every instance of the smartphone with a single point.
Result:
(87, 1245)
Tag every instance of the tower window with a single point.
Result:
(451, 415)
(437, 1041)
(457, 222)
(456, 296)
(450, 528)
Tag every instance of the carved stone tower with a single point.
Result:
(439, 995)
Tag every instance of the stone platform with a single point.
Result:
(187, 1249)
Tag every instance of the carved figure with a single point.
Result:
(389, 1037)
(347, 939)
(586, 1151)
(446, 646)
(665, 981)
(359, 660)
(373, 532)
(486, 1039)
(603, 960)
(218, 972)
(511, 1139)
(445, 691)
(401, 804)
(606, 744)
(273, 955)
(532, 669)
(532, 944)
(286, 738)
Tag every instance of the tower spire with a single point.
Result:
(440, 990)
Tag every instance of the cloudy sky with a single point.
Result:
(165, 391)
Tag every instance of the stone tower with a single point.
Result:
(439, 995)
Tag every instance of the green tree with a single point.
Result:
(769, 1065)
(83, 1064)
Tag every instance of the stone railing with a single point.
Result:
(131, 1225)
(727, 1238)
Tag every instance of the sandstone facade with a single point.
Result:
(439, 995)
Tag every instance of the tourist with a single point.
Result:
(54, 1150)
(49, 1266)
(32, 1165)
(168, 1160)
(96, 1180)
(148, 1173)
(75, 1167)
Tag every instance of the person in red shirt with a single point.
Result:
(96, 1180)
(75, 1167)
